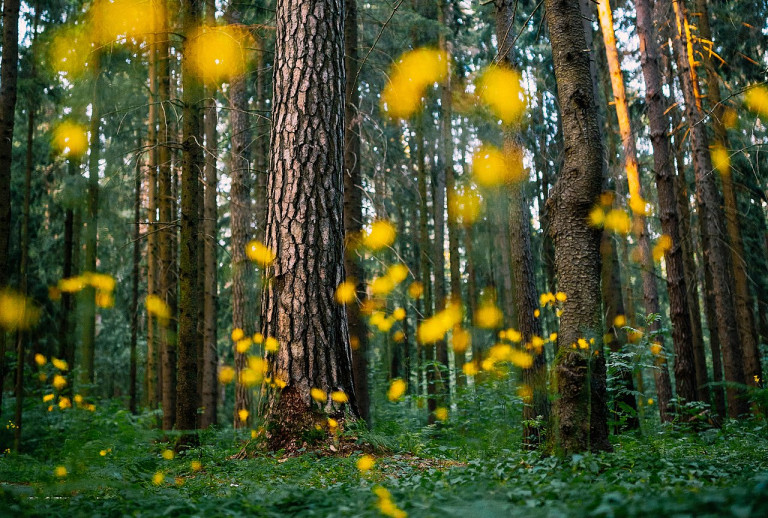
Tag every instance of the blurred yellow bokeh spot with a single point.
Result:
(219, 54)
(70, 139)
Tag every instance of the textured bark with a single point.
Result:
(209, 359)
(521, 259)
(132, 367)
(745, 318)
(167, 230)
(88, 316)
(8, 79)
(687, 246)
(710, 218)
(191, 171)
(240, 208)
(305, 225)
(353, 209)
(150, 376)
(580, 409)
(686, 384)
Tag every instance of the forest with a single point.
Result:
(469, 258)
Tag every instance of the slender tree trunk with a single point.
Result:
(132, 389)
(424, 246)
(240, 208)
(710, 216)
(209, 358)
(305, 226)
(686, 383)
(88, 336)
(580, 409)
(353, 209)
(745, 318)
(167, 233)
(151, 384)
(192, 162)
(525, 297)
(8, 78)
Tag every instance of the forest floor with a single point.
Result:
(116, 464)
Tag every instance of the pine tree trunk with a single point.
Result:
(305, 226)
(88, 336)
(240, 209)
(580, 409)
(686, 384)
(167, 230)
(745, 318)
(209, 359)
(710, 216)
(8, 79)
(132, 367)
(525, 294)
(151, 385)
(192, 162)
(353, 209)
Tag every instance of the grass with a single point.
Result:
(469, 467)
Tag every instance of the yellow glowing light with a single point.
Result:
(157, 307)
(441, 414)
(70, 139)
(470, 369)
(338, 396)
(618, 221)
(318, 395)
(396, 389)
(69, 50)
(415, 71)
(398, 314)
(365, 463)
(226, 375)
(721, 159)
(60, 471)
(382, 235)
(499, 88)
(243, 414)
(620, 321)
(271, 345)
(662, 246)
(415, 290)
(464, 206)
(492, 167)
(259, 253)
(488, 316)
(381, 285)
(116, 20)
(756, 100)
(219, 54)
(461, 339)
(397, 273)
(346, 293)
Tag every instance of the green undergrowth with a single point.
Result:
(469, 467)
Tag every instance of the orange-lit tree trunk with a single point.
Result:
(686, 383)
(745, 318)
(580, 409)
(637, 205)
(710, 216)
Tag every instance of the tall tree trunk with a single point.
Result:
(305, 226)
(745, 318)
(240, 208)
(521, 259)
(132, 369)
(209, 359)
(8, 78)
(192, 161)
(424, 246)
(151, 385)
(686, 384)
(168, 226)
(88, 336)
(353, 209)
(580, 410)
(710, 216)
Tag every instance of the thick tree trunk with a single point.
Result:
(580, 409)
(686, 383)
(710, 216)
(745, 317)
(353, 209)
(305, 225)
(192, 162)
